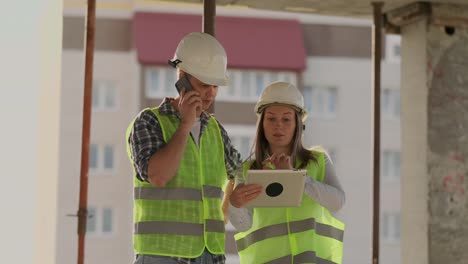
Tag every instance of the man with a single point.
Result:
(182, 157)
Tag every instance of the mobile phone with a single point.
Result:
(182, 83)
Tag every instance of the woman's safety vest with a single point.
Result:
(305, 234)
(184, 217)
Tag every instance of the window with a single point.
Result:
(321, 101)
(247, 85)
(390, 227)
(170, 80)
(104, 95)
(289, 77)
(107, 220)
(108, 157)
(242, 138)
(230, 90)
(390, 104)
(101, 221)
(160, 82)
(390, 165)
(93, 156)
(152, 82)
(101, 159)
(259, 83)
(91, 221)
(393, 48)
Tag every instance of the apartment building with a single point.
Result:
(133, 44)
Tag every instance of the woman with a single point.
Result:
(305, 234)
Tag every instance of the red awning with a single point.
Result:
(252, 43)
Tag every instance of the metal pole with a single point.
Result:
(376, 60)
(209, 14)
(208, 26)
(88, 83)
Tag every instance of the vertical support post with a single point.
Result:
(88, 83)
(376, 60)
(209, 14)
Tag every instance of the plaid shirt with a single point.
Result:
(146, 138)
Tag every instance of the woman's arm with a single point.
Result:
(329, 194)
(240, 218)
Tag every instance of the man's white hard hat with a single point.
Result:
(202, 56)
(281, 93)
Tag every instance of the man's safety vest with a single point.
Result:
(305, 234)
(184, 217)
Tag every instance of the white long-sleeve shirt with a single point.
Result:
(328, 193)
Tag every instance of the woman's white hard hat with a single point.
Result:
(202, 56)
(281, 93)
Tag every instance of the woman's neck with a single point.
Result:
(279, 150)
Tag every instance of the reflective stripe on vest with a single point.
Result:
(178, 228)
(304, 257)
(282, 230)
(189, 194)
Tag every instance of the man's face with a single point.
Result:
(207, 92)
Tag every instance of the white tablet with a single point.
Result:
(281, 188)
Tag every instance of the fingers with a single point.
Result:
(189, 103)
(190, 98)
(243, 194)
(278, 161)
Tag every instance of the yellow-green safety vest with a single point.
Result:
(305, 234)
(184, 217)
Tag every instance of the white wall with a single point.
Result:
(29, 99)
(107, 127)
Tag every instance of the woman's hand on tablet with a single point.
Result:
(244, 193)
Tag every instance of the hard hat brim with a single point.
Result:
(213, 81)
(205, 79)
(260, 108)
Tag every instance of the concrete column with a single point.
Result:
(29, 111)
(434, 116)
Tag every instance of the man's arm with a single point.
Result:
(163, 164)
(155, 161)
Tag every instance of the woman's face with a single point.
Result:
(279, 124)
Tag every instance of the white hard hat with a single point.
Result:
(202, 56)
(281, 93)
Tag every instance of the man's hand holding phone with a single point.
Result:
(189, 103)
(182, 83)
